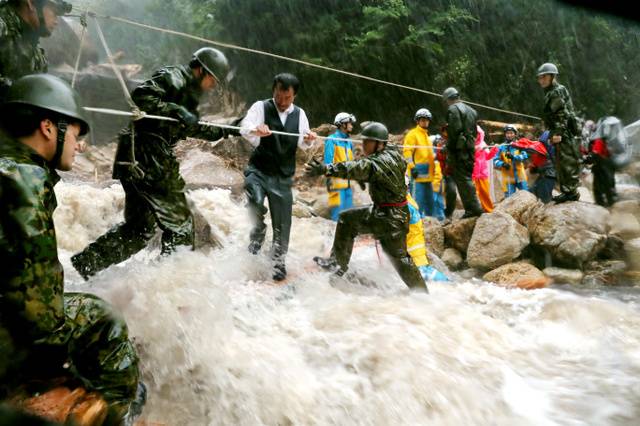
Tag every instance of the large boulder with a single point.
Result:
(458, 234)
(497, 239)
(624, 225)
(574, 232)
(519, 206)
(433, 235)
(564, 276)
(518, 275)
(201, 169)
(607, 272)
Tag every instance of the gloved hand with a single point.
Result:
(414, 173)
(187, 118)
(589, 159)
(314, 168)
(363, 185)
(509, 155)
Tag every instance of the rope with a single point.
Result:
(298, 61)
(83, 22)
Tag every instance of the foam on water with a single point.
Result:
(221, 344)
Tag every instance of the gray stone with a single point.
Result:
(497, 240)
(564, 276)
(452, 258)
(458, 234)
(433, 235)
(519, 206)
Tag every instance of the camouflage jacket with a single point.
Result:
(19, 44)
(31, 280)
(558, 112)
(169, 90)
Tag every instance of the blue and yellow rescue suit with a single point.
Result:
(416, 245)
(340, 193)
(420, 157)
(510, 161)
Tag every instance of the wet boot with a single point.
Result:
(279, 271)
(566, 196)
(254, 247)
(329, 264)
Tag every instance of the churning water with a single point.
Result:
(221, 344)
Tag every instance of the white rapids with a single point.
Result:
(222, 345)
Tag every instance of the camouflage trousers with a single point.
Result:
(568, 164)
(144, 208)
(93, 347)
(389, 225)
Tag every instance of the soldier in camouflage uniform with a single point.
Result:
(147, 167)
(45, 332)
(22, 23)
(388, 219)
(559, 119)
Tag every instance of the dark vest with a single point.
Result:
(276, 154)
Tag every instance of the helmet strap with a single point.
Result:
(62, 132)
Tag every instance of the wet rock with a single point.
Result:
(433, 235)
(439, 264)
(564, 276)
(518, 274)
(470, 273)
(632, 248)
(574, 232)
(627, 206)
(520, 206)
(205, 237)
(608, 272)
(497, 240)
(202, 169)
(613, 249)
(452, 258)
(624, 225)
(458, 234)
(324, 129)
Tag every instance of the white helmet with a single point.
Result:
(422, 113)
(344, 117)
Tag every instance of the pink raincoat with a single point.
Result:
(483, 156)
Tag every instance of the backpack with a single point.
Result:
(611, 130)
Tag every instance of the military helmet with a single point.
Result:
(510, 127)
(61, 7)
(547, 68)
(422, 113)
(50, 93)
(342, 118)
(375, 131)
(450, 93)
(214, 62)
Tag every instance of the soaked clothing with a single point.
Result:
(438, 192)
(559, 119)
(41, 327)
(340, 193)
(21, 51)
(604, 174)
(388, 218)
(418, 152)
(462, 132)
(154, 188)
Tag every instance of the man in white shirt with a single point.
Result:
(273, 164)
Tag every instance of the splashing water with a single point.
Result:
(221, 344)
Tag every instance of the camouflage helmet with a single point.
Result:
(422, 113)
(450, 93)
(375, 131)
(510, 127)
(49, 93)
(547, 68)
(214, 62)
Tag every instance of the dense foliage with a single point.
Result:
(489, 49)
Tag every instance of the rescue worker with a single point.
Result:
(384, 168)
(147, 167)
(418, 152)
(542, 165)
(604, 172)
(22, 24)
(416, 245)
(272, 165)
(510, 160)
(462, 132)
(559, 118)
(337, 150)
(45, 332)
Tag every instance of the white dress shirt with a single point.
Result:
(255, 117)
